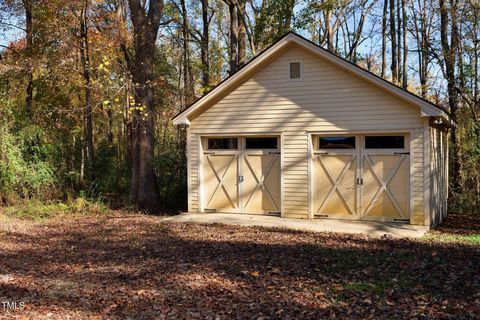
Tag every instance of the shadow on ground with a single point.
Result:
(139, 267)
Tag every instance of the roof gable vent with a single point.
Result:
(295, 72)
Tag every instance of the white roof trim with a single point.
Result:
(427, 109)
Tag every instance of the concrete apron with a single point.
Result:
(317, 225)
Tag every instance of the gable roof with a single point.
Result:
(428, 109)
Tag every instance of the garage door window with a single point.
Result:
(337, 142)
(261, 143)
(384, 142)
(222, 143)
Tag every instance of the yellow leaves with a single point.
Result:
(103, 66)
(139, 108)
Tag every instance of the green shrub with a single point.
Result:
(25, 169)
(468, 200)
(172, 178)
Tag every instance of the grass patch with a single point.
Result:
(454, 238)
(377, 288)
(35, 210)
(358, 286)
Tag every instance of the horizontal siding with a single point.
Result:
(326, 99)
(416, 175)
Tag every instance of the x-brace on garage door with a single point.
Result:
(241, 174)
(362, 177)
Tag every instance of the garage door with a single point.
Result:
(241, 174)
(361, 177)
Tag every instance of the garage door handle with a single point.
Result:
(359, 181)
(240, 178)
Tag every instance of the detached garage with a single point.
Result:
(300, 132)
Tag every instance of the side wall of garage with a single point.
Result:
(325, 99)
(439, 174)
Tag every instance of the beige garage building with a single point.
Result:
(300, 132)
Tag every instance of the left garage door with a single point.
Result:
(241, 174)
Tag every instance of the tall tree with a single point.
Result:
(450, 41)
(384, 38)
(399, 40)
(145, 16)
(327, 16)
(356, 37)
(232, 9)
(393, 39)
(85, 60)
(242, 35)
(188, 82)
(405, 45)
(204, 44)
(28, 6)
(422, 28)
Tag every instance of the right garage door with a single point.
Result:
(361, 177)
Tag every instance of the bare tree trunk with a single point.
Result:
(421, 36)
(384, 38)
(28, 6)
(144, 189)
(449, 52)
(475, 62)
(405, 44)
(357, 34)
(188, 82)
(399, 40)
(85, 59)
(393, 36)
(242, 36)
(110, 125)
(328, 27)
(216, 44)
(242, 16)
(233, 37)
(204, 45)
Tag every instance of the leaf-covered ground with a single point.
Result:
(134, 266)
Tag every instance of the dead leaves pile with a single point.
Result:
(137, 267)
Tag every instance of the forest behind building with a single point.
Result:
(88, 88)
